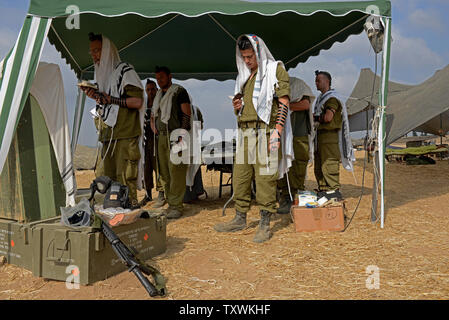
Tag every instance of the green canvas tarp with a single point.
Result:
(197, 38)
(415, 151)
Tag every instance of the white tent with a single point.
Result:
(47, 90)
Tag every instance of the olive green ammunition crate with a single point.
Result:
(15, 243)
(53, 251)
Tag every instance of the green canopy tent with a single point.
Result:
(196, 38)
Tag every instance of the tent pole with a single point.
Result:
(441, 134)
(383, 103)
(75, 116)
(79, 110)
(374, 200)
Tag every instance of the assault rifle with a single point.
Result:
(127, 257)
(133, 264)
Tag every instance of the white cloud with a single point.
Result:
(340, 62)
(427, 19)
(344, 72)
(412, 61)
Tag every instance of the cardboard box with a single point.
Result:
(318, 219)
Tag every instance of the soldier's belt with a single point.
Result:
(254, 125)
(329, 136)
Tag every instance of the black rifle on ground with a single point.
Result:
(135, 266)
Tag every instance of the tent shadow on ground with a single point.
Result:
(395, 196)
(352, 191)
(209, 204)
(399, 194)
(214, 203)
(174, 246)
(410, 191)
(281, 221)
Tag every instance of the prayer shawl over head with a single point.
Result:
(112, 76)
(344, 137)
(299, 89)
(263, 94)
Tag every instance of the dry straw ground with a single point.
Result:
(411, 252)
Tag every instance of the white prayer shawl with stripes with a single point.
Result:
(164, 103)
(266, 79)
(298, 90)
(195, 138)
(344, 137)
(112, 76)
(264, 90)
(123, 75)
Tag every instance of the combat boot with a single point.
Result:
(173, 213)
(145, 200)
(236, 224)
(160, 200)
(263, 232)
(284, 206)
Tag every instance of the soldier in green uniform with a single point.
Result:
(171, 111)
(301, 124)
(260, 128)
(150, 144)
(119, 100)
(328, 117)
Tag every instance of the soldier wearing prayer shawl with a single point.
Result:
(171, 115)
(119, 120)
(261, 105)
(333, 141)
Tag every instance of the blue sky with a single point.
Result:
(420, 47)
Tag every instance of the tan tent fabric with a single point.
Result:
(409, 107)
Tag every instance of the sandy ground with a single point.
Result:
(411, 252)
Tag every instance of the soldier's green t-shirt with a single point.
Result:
(283, 89)
(128, 123)
(336, 121)
(300, 122)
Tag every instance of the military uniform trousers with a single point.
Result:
(298, 170)
(251, 163)
(173, 176)
(327, 160)
(150, 166)
(120, 163)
